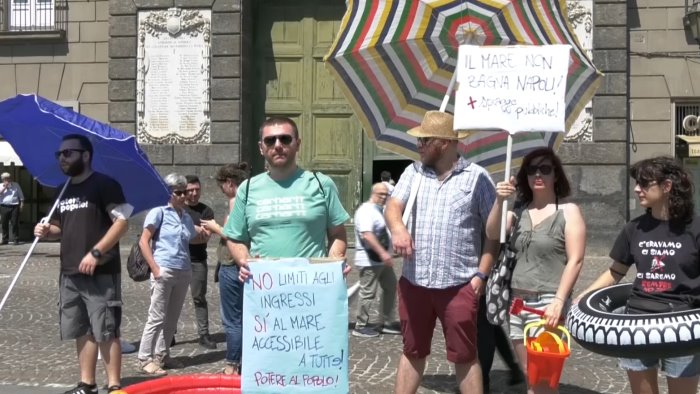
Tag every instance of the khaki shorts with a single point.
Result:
(90, 305)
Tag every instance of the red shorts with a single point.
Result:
(456, 307)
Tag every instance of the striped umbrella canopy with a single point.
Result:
(394, 59)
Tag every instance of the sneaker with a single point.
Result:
(392, 328)
(206, 342)
(83, 388)
(364, 332)
(127, 347)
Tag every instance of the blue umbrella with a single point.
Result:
(34, 126)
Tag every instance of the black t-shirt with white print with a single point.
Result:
(199, 212)
(667, 261)
(84, 220)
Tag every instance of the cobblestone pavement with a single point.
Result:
(34, 360)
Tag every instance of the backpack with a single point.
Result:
(136, 264)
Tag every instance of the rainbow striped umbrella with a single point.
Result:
(395, 59)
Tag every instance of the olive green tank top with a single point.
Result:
(222, 254)
(540, 253)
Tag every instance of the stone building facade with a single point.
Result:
(641, 46)
(67, 64)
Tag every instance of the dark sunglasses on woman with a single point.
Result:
(544, 169)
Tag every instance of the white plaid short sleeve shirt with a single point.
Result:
(446, 223)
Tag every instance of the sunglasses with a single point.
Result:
(424, 140)
(544, 169)
(67, 152)
(284, 139)
(179, 193)
(646, 184)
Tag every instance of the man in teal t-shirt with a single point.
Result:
(287, 211)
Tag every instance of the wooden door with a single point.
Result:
(291, 38)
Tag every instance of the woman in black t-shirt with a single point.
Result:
(663, 245)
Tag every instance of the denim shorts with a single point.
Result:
(675, 367)
(517, 323)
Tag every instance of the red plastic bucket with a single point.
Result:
(187, 384)
(546, 354)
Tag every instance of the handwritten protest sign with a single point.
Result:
(512, 88)
(295, 322)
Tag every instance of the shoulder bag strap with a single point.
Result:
(411, 206)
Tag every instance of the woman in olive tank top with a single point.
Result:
(229, 177)
(549, 239)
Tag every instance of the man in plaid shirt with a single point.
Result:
(442, 244)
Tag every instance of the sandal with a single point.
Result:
(153, 369)
(232, 369)
(114, 388)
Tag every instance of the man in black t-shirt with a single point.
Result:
(90, 218)
(198, 255)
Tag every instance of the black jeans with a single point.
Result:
(488, 339)
(9, 214)
(198, 287)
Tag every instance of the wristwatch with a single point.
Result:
(481, 276)
(96, 253)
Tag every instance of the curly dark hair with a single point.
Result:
(238, 173)
(661, 168)
(562, 188)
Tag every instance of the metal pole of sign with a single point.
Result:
(504, 215)
(448, 94)
(31, 249)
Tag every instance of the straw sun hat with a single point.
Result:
(436, 124)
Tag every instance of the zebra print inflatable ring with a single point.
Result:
(596, 328)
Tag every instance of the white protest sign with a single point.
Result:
(512, 88)
(295, 328)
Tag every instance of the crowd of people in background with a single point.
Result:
(442, 217)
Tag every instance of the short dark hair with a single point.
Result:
(385, 175)
(83, 140)
(237, 173)
(192, 178)
(279, 120)
(562, 188)
(658, 169)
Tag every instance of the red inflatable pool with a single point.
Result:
(187, 384)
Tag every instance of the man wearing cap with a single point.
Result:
(446, 261)
(11, 203)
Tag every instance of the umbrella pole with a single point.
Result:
(31, 249)
(448, 93)
(504, 214)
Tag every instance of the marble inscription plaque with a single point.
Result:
(173, 76)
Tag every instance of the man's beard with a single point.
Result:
(75, 169)
(429, 160)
